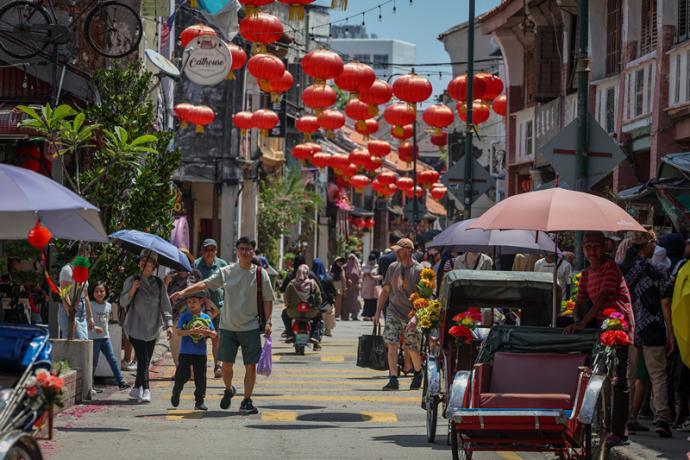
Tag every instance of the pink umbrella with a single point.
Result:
(556, 210)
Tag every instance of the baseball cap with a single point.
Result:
(147, 253)
(403, 243)
(209, 242)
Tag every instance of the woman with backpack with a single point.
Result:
(148, 308)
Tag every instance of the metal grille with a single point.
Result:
(613, 36)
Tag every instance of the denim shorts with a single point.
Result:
(231, 341)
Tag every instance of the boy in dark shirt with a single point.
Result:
(194, 327)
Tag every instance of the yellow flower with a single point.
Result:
(414, 297)
(420, 303)
(467, 321)
(427, 274)
(427, 283)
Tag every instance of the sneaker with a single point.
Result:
(663, 430)
(217, 371)
(392, 385)
(175, 400)
(145, 396)
(227, 398)
(122, 386)
(317, 347)
(636, 427)
(96, 390)
(135, 393)
(129, 366)
(247, 408)
(284, 334)
(200, 406)
(685, 426)
(416, 383)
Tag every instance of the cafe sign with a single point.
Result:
(207, 60)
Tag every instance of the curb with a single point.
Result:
(634, 451)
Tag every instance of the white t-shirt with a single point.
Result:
(565, 270)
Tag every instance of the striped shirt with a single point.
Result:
(607, 280)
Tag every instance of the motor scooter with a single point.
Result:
(302, 328)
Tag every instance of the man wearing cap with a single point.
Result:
(400, 282)
(209, 264)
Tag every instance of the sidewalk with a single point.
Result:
(649, 445)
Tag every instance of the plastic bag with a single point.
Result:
(265, 364)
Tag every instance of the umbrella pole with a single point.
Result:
(555, 295)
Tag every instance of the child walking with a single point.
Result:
(101, 335)
(194, 327)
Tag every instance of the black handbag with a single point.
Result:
(372, 352)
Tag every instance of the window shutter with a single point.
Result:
(683, 20)
(530, 78)
(549, 62)
(648, 35)
(613, 36)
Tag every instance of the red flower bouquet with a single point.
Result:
(614, 338)
(462, 333)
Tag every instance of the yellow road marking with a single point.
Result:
(333, 359)
(380, 417)
(177, 414)
(509, 455)
(275, 358)
(282, 416)
(323, 398)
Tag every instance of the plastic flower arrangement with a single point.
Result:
(426, 310)
(614, 329)
(465, 323)
(567, 307)
(45, 388)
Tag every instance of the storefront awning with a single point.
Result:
(10, 117)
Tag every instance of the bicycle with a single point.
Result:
(113, 29)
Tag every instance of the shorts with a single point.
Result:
(396, 326)
(230, 342)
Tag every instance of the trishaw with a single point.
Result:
(23, 350)
(520, 385)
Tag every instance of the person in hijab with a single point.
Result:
(674, 243)
(660, 260)
(370, 281)
(353, 280)
(329, 293)
(303, 289)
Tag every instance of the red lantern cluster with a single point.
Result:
(367, 128)
(412, 88)
(398, 115)
(265, 68)
(197, 30)
(438, 116)
(322, 65)
(486, 91)
(319, 97)
(278, 86)
(198, 115)
(406, 152)
(243, 121)
(356, 78)
(427, 178)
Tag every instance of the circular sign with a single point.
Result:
(207, 60)
(162, 63)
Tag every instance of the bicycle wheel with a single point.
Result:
(24, 29)
(113, 29)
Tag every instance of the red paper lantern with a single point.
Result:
(197, 30)
(262, 28)
(374, 163)
(39, 236)
(438, 116)
(321, 160)
(349, 170)
(330, 120)
(319, 97)
(265, 120)
(359, 157)
(406, 132)
(390, 190)
(457, 88)
(251, 7)
(307, 124)
(480, 111)
(303, 152)
(279, 86)
(340, 161)
(314, 147)
(239, 58)
(377, 187)
(265, 67)
(357, 110)
(417, 191)
(367, 127)
(438, 191)
(399, 115)
(405, 183)
(440, 140)
(355, 77)
(201, 115)
(412, 88)
(182, 112)
(379, 148)
(243, 121)
(493, 85)
(369, 223)
(360, 182)
(296, 8)
(500, 105)
(406, 152)
(387, 177)
(380, 92)
(322, 64)
(427, 177)
(358, 222)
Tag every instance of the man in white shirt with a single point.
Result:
(564, 275)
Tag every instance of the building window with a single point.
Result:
(676, 87)
(649, 32)
(683, 20)
(363, 58)
(380, 61)
(610, 122)
(687, 75)
(639, 92)
(613, 36)
(529, 137)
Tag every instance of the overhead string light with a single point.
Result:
(394, 8)
(363, 23)
(380, 16)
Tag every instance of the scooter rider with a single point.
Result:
(303, 289)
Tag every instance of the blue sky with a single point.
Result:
(419, 23)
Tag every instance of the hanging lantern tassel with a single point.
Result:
(230, 75)
(194, 4)
(199, 128)
(339, 4)
(296, 12)
(373, 109)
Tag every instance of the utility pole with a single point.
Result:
(467, 203)
(582, 147)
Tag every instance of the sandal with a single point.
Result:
(615, 440)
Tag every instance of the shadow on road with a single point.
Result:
(293, 407)
(334, 417)
(92, 429)
(413, 440)
(282, 427)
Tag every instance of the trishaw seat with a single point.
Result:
(526, 401)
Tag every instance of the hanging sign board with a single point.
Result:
(207, 60)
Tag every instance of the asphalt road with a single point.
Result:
(317, 406)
